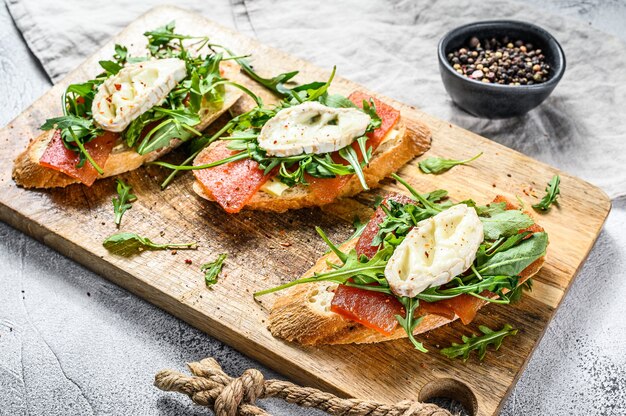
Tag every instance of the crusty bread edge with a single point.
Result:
(28, 173)
(293, 317)
(413, 140)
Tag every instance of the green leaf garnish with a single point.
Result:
(110, 67)
(409, 321)
(212, 270)
(552, 193)
(123, 200)
(75, 132)
(479, 343)
(439, 165)
(490, 210)
(505, 224)
(127, 244)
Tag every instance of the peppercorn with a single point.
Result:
(500, 60)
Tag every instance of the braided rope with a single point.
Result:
(228, 396)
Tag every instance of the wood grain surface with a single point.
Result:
(266, 249)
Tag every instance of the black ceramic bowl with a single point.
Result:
(497, 100)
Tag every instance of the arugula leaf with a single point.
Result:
(409, 321)
(121, 54)
(505, 224)
(127, 244)
(369, 108)
(123, 200)
(110, 67)
(439, 165)
(490, 210)
(75, 132)
(516, 294)
(162, 135)
(212, 270)
(275, 84)
(159, 39)
(514, 260)
(479, 343)
(336, 101)
(360, 269)
(400, 218)
(503, 244)
(552, 193)
(491, 283)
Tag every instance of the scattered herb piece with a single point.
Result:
(212, 270)
(479, 343)
(439, 165)
(552, 192)
(123, 200)
(126, 244)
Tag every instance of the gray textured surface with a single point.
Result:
(72, 343)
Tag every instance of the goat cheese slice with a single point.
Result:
(435, 251)
(134, 90)
(312, 128)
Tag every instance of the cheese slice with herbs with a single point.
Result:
(312, 128)
(435, 251)
(135, 89)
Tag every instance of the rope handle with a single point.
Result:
(227, 396)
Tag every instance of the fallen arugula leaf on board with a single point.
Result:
(123, 200)
(479, 343)
(212, 270)
(552, 192)
(126, 244)
(440, 165)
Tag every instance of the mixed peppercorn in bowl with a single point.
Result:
(500, 69)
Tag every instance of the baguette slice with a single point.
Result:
(27, 171)
(412, 139)
(302, 314)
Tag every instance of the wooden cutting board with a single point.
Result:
(267, 249)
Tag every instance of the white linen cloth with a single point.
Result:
(390, 46)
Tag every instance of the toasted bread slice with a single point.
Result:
(302, 314)
(27, 171)
(410, 140)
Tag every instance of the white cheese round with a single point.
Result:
(134, 90)
(435, 251)
(312, 128)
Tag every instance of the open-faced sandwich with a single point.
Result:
(309, 150)
(135, 111)
(420, 262)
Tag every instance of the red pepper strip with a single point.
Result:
(58, 157)
(327, 189)
(232, 185)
